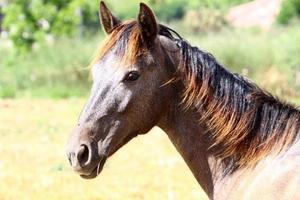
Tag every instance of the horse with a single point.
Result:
(239, 141)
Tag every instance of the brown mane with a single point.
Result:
(247, 122)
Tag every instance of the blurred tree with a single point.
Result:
(289, 9)
(1, 17)
(30, 21)
(165, 10)
(214, 4)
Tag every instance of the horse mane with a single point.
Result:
(247, 122)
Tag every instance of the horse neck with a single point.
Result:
(193, 139)
(187, 135)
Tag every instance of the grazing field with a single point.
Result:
(33, 163)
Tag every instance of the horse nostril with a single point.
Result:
(83, 155)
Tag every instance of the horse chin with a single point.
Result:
(96, 171)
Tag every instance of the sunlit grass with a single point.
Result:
(33, 164)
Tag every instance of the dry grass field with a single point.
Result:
(33, 163)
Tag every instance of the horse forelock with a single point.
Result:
(127, 42)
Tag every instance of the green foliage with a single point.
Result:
(56, 71)
(203, 20)
(165, 10)
(168, 10)
(289, 9)
(214, 4)
(32, 21)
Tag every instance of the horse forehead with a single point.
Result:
(107, 68)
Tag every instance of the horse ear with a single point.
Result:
(147, 23)
(107, 19)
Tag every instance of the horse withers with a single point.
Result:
(238, 140)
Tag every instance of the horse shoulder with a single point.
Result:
(278, 180)
(272, 179)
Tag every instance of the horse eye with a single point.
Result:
(132, 76)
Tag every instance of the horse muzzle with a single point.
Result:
(82, 153)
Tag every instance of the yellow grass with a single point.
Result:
(33, 164)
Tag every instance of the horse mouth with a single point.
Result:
(96, 171)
